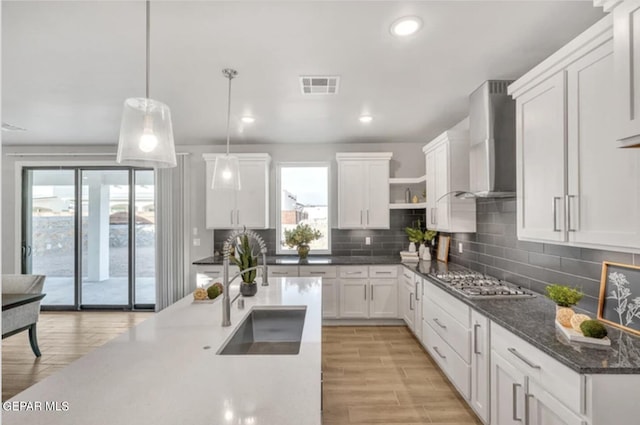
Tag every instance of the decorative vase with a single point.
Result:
(421, 249)
(425, 254)
(303, 251)
(412, 247)
(248, 289)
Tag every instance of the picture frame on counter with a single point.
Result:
(619, 300)
(443, 248)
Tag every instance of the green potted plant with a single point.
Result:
(300, 238)
(563, 295)
(243, 257)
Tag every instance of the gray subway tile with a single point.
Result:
(581, 268)
(598, 256)
(562, 251)
(517, 255)
(546, 261)
(494, 251)
(530, 246)
(508, 206)
(497, 273)
(589, 304)
(485, 259)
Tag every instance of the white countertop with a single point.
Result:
(159, 373)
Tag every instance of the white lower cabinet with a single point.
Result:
(544, 409)
(283, 271)
(407, 301)
(363, 295)
(507, 392)
(480, 366)
(329, 288)
(449, 361)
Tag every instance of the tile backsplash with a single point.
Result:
(352, 242)
(496, 250)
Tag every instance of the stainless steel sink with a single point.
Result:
(267, 331)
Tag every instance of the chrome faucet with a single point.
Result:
(226, 281)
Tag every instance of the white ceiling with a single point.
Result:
(68, 66)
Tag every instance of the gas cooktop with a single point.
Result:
(476, 285)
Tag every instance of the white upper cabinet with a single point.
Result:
(627, 72)
(447, 166)
(363, 190)
(248, 207)
(575, 185)
(540, 159)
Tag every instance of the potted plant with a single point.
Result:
(429, 237)
(243, 257)
(563, 295)
(300, 238)
(415, 237)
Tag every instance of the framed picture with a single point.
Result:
(443, 248)
(619, 301)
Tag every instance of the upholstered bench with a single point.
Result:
(21, 296)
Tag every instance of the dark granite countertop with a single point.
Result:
(533, 320)
(314, 260)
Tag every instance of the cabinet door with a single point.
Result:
(351, 194)
(417, 317)
(540, 158)
(383, 301)
(442, 187)
(431, 189)
(376, 212)
(480, 365)
(329, 298)
(626, 24)
(405, 303)
(220, 206)
(544, 409)
(592, 195)
(507, 392)
(354, 298)
(252, 201)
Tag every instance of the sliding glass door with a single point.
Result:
(91, 231)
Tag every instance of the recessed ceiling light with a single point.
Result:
(406, 26)
(248, 119)
(365, 119)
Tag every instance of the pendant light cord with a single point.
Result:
(229, 111)
(148, 51)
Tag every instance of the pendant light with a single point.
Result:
(146, 134)
(226, 171)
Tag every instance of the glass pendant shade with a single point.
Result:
(226, 173)
(146, 135)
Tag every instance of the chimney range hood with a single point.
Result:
(492, 138)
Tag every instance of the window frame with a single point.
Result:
(280, 249)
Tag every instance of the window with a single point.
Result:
(303, 197)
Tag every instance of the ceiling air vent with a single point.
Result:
(312, 84)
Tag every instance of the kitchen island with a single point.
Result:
(167, 371)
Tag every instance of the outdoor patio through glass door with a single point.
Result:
(91, 232)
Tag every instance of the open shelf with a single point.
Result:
(407, 180)
(410, 206)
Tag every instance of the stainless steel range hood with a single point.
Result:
(492, 136)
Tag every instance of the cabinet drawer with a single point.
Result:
(283, 271)
(454, 367)
(556, 378)
(451, 330)
(383, 271)
(318, 271)
(353, 271)
(456, 308)
(407, 274)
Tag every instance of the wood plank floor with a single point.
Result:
(372, 375)
(382, 375)
(62, 337)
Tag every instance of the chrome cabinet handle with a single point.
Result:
(514, 389)
(554, 209)
(280, 273)
(361, 217)
(439, 353)
(317, 272)
(231, 214)
(411, 302)
(350, 273)
(435, 319)
(367, 217)
(372, 287)
(568, 199)
(475, 339)
(237, 216)
(527, 408)
(523, 358)
(377, 273)
(415, 284)
(365, 292)
(436, 215)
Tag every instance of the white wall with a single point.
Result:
(407, 161)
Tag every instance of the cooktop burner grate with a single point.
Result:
(476, 285)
